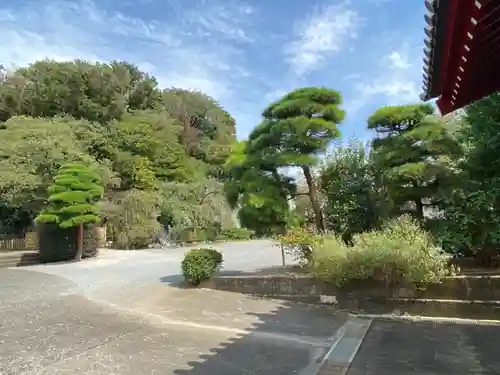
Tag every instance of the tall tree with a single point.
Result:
(258, 190)
(413, 153)
(31, 153)
(295, 131)
(471, 213)
(72, 201)
(205, 129)
(355, 200)
(94, 91)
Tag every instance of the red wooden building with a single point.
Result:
(462, 52)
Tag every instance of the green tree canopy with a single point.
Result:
(413, 152)
(355, 200)
(31, 153)
(111, 116)
(296, 130)
(72, 197)
(470, 221)
(258, 190)
(94, 91)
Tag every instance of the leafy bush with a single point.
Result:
(400, 252)
(299, 242)
(470, 224)
(216, 255)
(132, 219)
(236, 234)
(200, 264)
(355, 201)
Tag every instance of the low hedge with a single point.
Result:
(56, 244)
(236, 234)
(200, 264)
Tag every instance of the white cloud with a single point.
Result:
(397, 60)
(395, 81)
(194, 53)
(321, 35)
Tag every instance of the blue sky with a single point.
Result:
(245, 54)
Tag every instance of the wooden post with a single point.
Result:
(283, 255)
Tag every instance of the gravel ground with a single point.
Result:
(159, 265)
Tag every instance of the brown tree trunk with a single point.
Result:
(419, 208)
(313, 196)
(79, 243)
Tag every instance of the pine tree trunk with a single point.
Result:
(313, 196)
(419, 208)
(79, 244)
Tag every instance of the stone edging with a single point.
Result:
(474, 297)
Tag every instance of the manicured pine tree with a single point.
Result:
(296, 130)
(413, 153)
(72, 201)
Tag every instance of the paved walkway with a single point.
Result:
(46, 328)
(121, 314)
(116, 315)
(162, 265)
(409, 348)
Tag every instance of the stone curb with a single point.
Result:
(340, 356)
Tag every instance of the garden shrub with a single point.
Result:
(400, 252)
(236, 234)
(299, 243)
(200, 264)
(216, 255)
(132, 219)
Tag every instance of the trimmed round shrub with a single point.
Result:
(217, 256)
(200, 264)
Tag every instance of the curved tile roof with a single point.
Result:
(434, 43)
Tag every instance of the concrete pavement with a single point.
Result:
(405, 348)
(160, 265)
(122, 314)
(113, 316)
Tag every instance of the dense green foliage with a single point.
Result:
(356, 201)
(295, 131)
(413, 154)
(470, 220)
(72, 198)
(400, 252)
(169, 159)
(132, 219)
(146, 144)
(260, 191)
(200, 264)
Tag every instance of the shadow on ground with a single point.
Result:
(176, 280)
(390, 348)
(276, 337)
(274, 345)
(404, 348)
